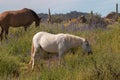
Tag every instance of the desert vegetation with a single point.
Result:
(102, 33)
(102, 65)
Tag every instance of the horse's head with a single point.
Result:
(86, 47)
(37, 22)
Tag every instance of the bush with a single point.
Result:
(102, 65)
(8, 66)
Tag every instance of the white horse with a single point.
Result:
(59, 43)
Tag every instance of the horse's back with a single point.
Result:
(43, 36)
(17, 18)
(47, 41)
(48, 36)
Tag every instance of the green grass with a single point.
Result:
(102, 65)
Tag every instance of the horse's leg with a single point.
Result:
(6, 33)
(61, 56)
(62, 50)
(25, 28)
(62, 59)
(49, 61)
(1, 34)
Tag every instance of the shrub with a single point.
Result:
(8, 66)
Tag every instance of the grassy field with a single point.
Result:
(104, 64)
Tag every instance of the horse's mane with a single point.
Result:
(34, 14)
(74, 38)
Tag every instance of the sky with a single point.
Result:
(102, 7)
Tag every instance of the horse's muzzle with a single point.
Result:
(90, 52)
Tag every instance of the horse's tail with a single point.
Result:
(32, 52)
(32, 48)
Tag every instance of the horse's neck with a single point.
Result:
(75, 41)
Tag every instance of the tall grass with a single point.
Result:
(102, 65)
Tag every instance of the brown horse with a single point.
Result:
(24, 17)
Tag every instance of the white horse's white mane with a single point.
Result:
(73, 37)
